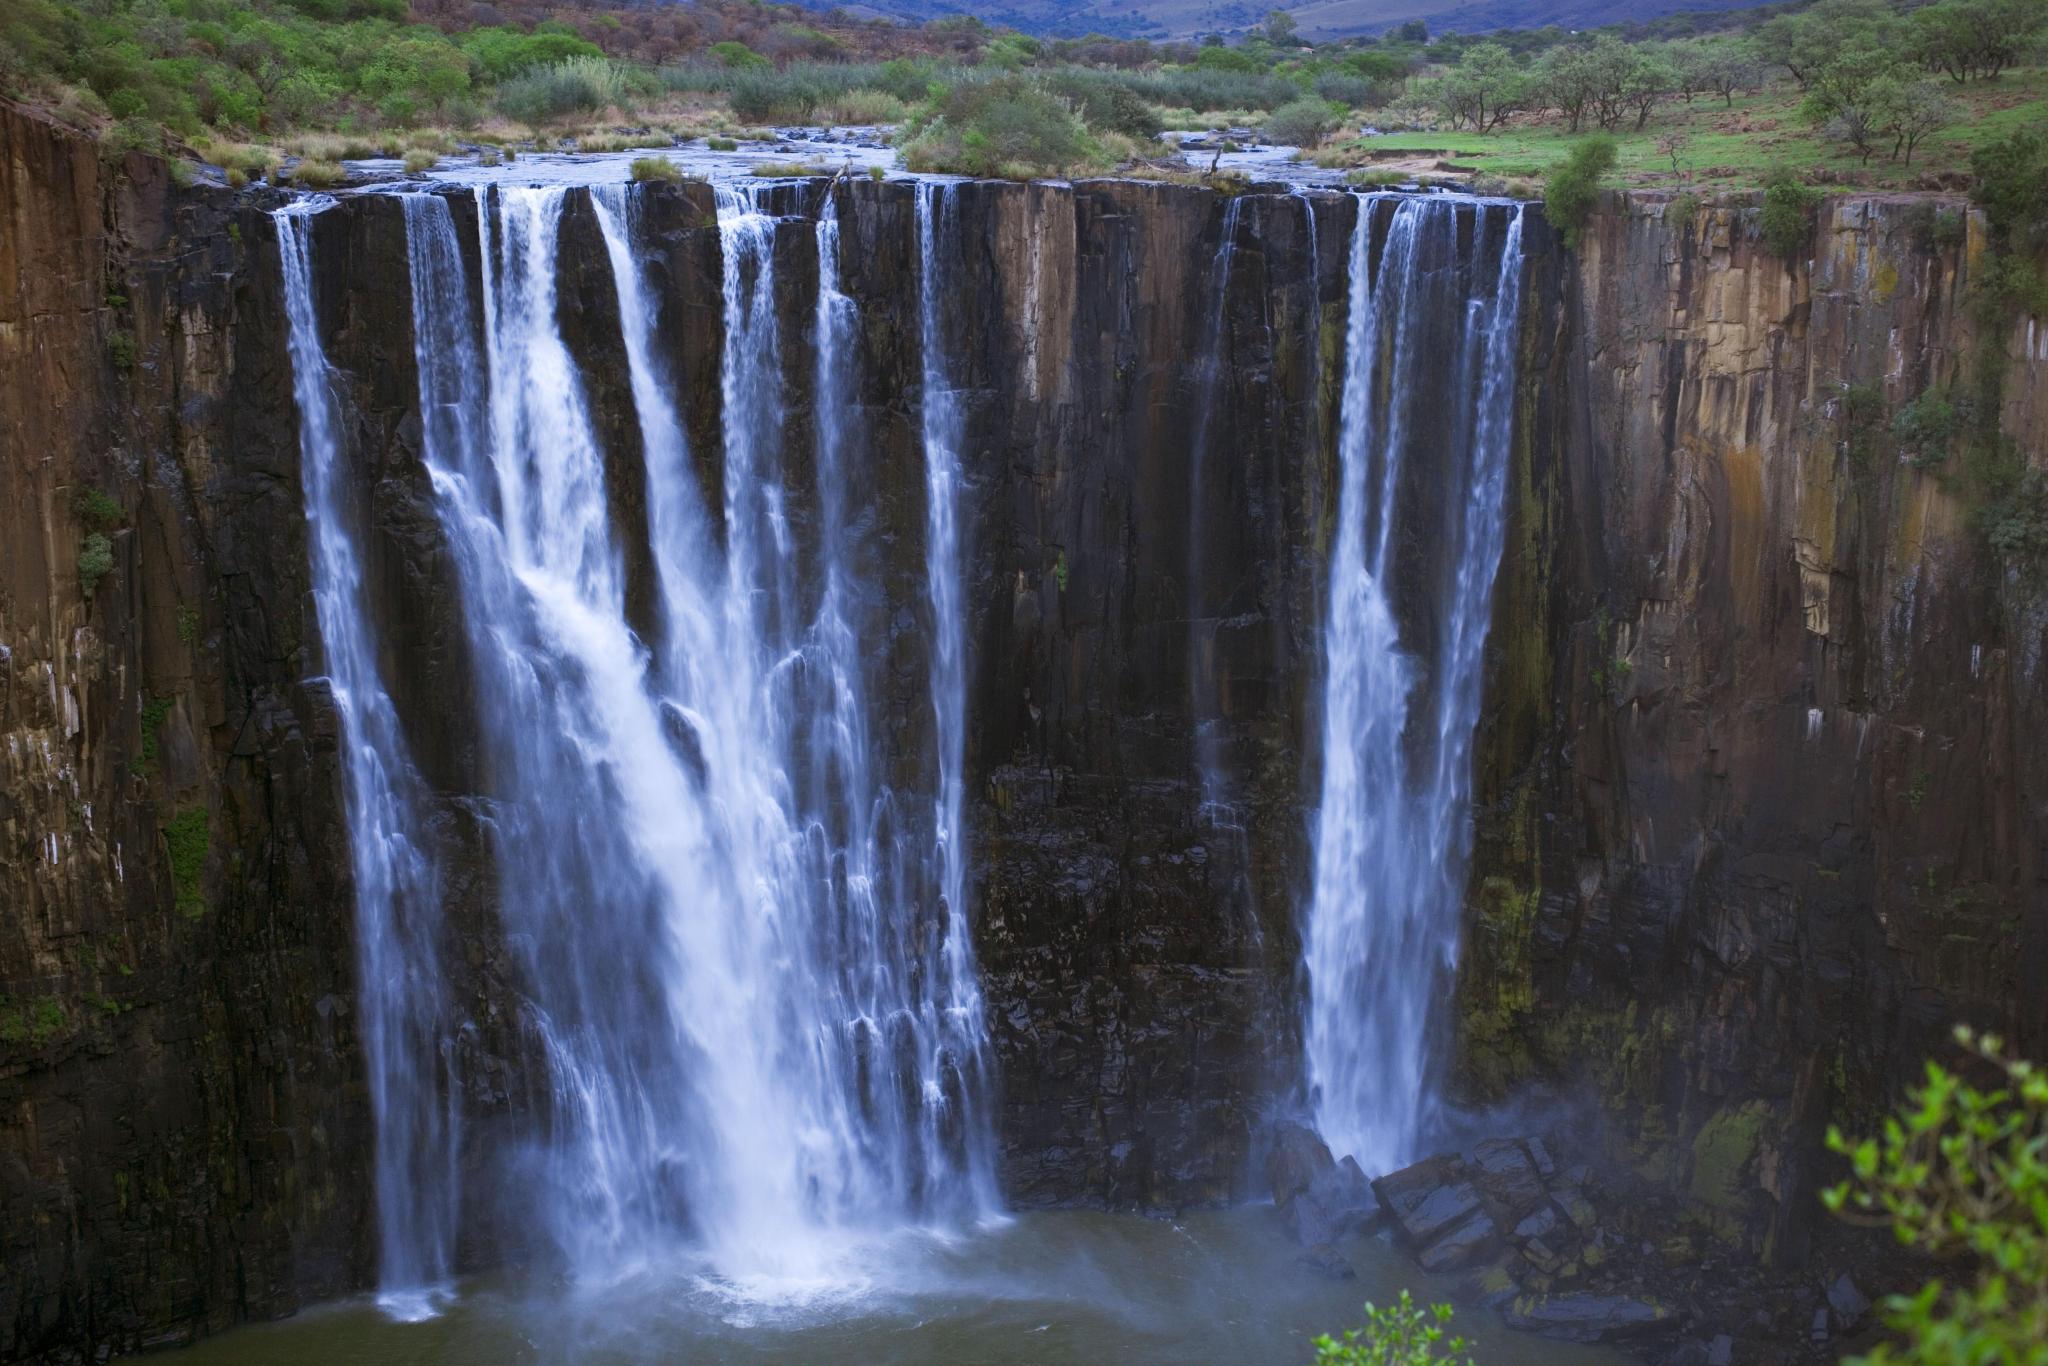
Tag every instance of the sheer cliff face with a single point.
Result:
(181, 1140)
(1760, 772)
(1764, 799)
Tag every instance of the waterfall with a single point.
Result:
(964, 1036)
(1204, 704)
(1426, 414)
(738, 953)
(406, 1040)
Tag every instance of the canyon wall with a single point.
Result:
(1763, 784)
(183, 1133)
(1761, 771)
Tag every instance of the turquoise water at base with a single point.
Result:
(1046, 1289)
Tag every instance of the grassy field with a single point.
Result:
(1728, 147)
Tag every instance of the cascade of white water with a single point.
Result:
(741, 955)
(407, 1037)
(1392, 836)
(956, 990)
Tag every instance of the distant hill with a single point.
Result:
(1319, 19)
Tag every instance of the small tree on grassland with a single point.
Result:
(1961, 1174)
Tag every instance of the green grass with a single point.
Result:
(1732, 148)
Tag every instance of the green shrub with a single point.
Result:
(645, 169)
(95, 561)
(738, 56)
(721, 144)
(502, 52)
(1006, 126)
(1926, 429)
(1786, 220)
(419, 159)
(580, 85)
(1304, 122)
(1203, 90)
(1572, 188)
(2010, 184)
(95, 508)
(1106, 103)
(1961, 1174)
(2015, 520)
(188, 839)
(121, 349)
(1402, 1334)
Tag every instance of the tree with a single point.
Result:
(1840, 85)
(1563, 78)
(1484, 88)
(1281, 29)
(1673, 144)
(1913, 110)
(1399, 1335)
(1648, 79)
(1724, 66)
(1962, 1173)
(1414, 31)
(2011, 186)
(1806, 42)
(1974, 38)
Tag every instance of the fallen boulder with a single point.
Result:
(1438, 1212)
(1295, 1160)
(1507, 1177)
(1460, 1246)
(1400, 1192)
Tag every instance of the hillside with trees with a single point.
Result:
(1846, 92)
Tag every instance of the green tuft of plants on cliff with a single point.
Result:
(1960, 1174)
(1954, 430)
(187, 840)
(1785, 220)
(1572, 189)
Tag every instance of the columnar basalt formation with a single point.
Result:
(1763, 792)
(1760, 773)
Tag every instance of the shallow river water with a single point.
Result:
(1045, 1289)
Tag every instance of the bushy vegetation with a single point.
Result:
(1402, 1334)
(645, 169)
(1961, 1175)
(1705, 98)
(1005, 125)
(1786, 219)
(1572, 188)
(1304, 122)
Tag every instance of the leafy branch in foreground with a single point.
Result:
(1402, 1334)
(1961, 1174)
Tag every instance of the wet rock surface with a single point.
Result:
(1759, 776)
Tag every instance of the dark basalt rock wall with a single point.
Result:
(1763, 781)
(1732, 921)
(183, 1141)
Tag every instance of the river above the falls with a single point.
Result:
(817, 151)
(1213, 1286)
